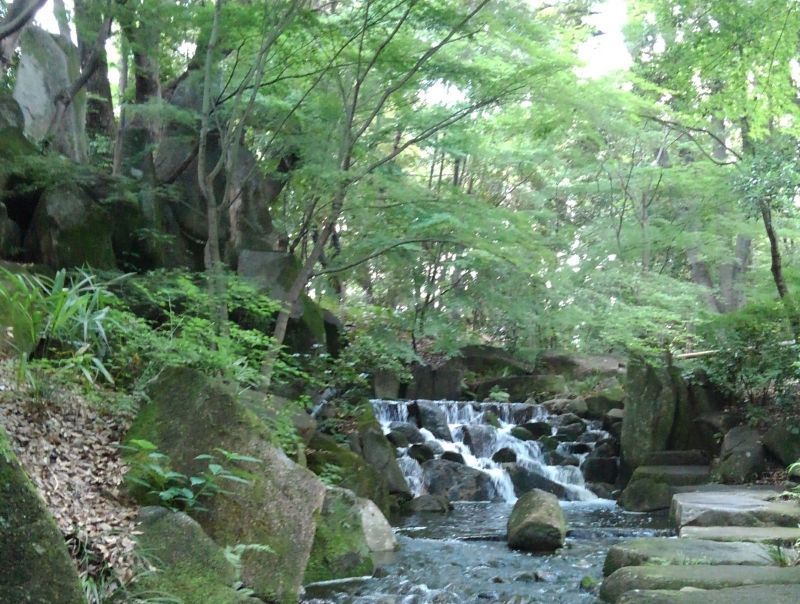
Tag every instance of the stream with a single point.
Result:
(462, 557)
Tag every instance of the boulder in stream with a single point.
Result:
(480, 439)
(433, 418)
(457, 482)
(504, 455)
(525, 480)
(537, 523)
(430, 503)
(408, 430)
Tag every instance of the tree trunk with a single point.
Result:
(100, 107)
(776, 268)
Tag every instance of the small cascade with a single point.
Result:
(483, 431)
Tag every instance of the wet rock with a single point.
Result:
(430, 503)
(556, 458)
(591, 437)
(605, 448)
(379, 453)
(407, 430)
(490, 418)
(480, 439)
(456, 481)
(433, 418)
(548, 443)
(570, 432)
(504, 455)
(522, 413)
(570, 418)
(602, 490)
(600, 469)
(377, 530)
(453, 456)
(397, 439)
(538, 429)
(521, 433)
(420, 453)
(536, 523)
(526, 480)
(784, 443)
(615, 430)
(742, 457)
(577, 448)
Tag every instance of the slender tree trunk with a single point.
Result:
(776, 267)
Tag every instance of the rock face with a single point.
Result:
(536, 523)
(68, 230)
(664, 412)
(49, 65)
(191, 566)
(34, 563)
(191, 414)
(340, 547)
(456, 481)
(433, 418)
(742, 457)
(378, 452)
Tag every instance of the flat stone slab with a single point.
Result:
(676, 476)
(770, 535)
(733, 507)
(692, 457)
(660, 551)
(700, 576)
(756, 594)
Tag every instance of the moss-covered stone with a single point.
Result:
(324, 454)
(34, 564)
(340, 548)
(191, 414)
(190, 566)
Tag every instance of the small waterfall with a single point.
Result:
(477, 437)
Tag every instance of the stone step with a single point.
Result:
(698, 576)
(652, 487)
(691, 457)
(654, 550)
(742, 506)
(753, 594)
(769, 535)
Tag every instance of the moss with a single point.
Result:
(34, 564)
(356, 474)
(340, 549)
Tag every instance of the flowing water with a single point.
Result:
(462, 557)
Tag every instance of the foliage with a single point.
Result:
(756, 359)
(150, 470)
(64, 318)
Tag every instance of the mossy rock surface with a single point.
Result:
(191, 414)
(340, 548)
(324, 454)
(190, 566)
(35, 567)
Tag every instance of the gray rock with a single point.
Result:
(654, 550)
(521, 433)
(742, 457)
(737, 506)
(536, 523)
(600, 469)
(699, 576)
(378, 452)
(433, 418)
(570, 432)
(456, 481)
(783, 442)
(453, 456)
(480, 439)
(430, 503)
(526, 480)
(48, 65)
(421, 453)
(504, 455)
(538, 429)
(408, 430)
(755, 594)
(377, 530)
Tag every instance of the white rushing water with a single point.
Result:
(460, 416)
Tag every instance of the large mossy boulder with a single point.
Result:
(340, 547)
(325, 455)
(783, 442)
(537, 523)
(190, 414)
(378, 453)
(190, 566)
(35, 567)
(69, 229)
(742, 458)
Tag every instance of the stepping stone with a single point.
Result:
(700, 576)
(653, 550)
(756, 594)
(733, 507)
(770, 535)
